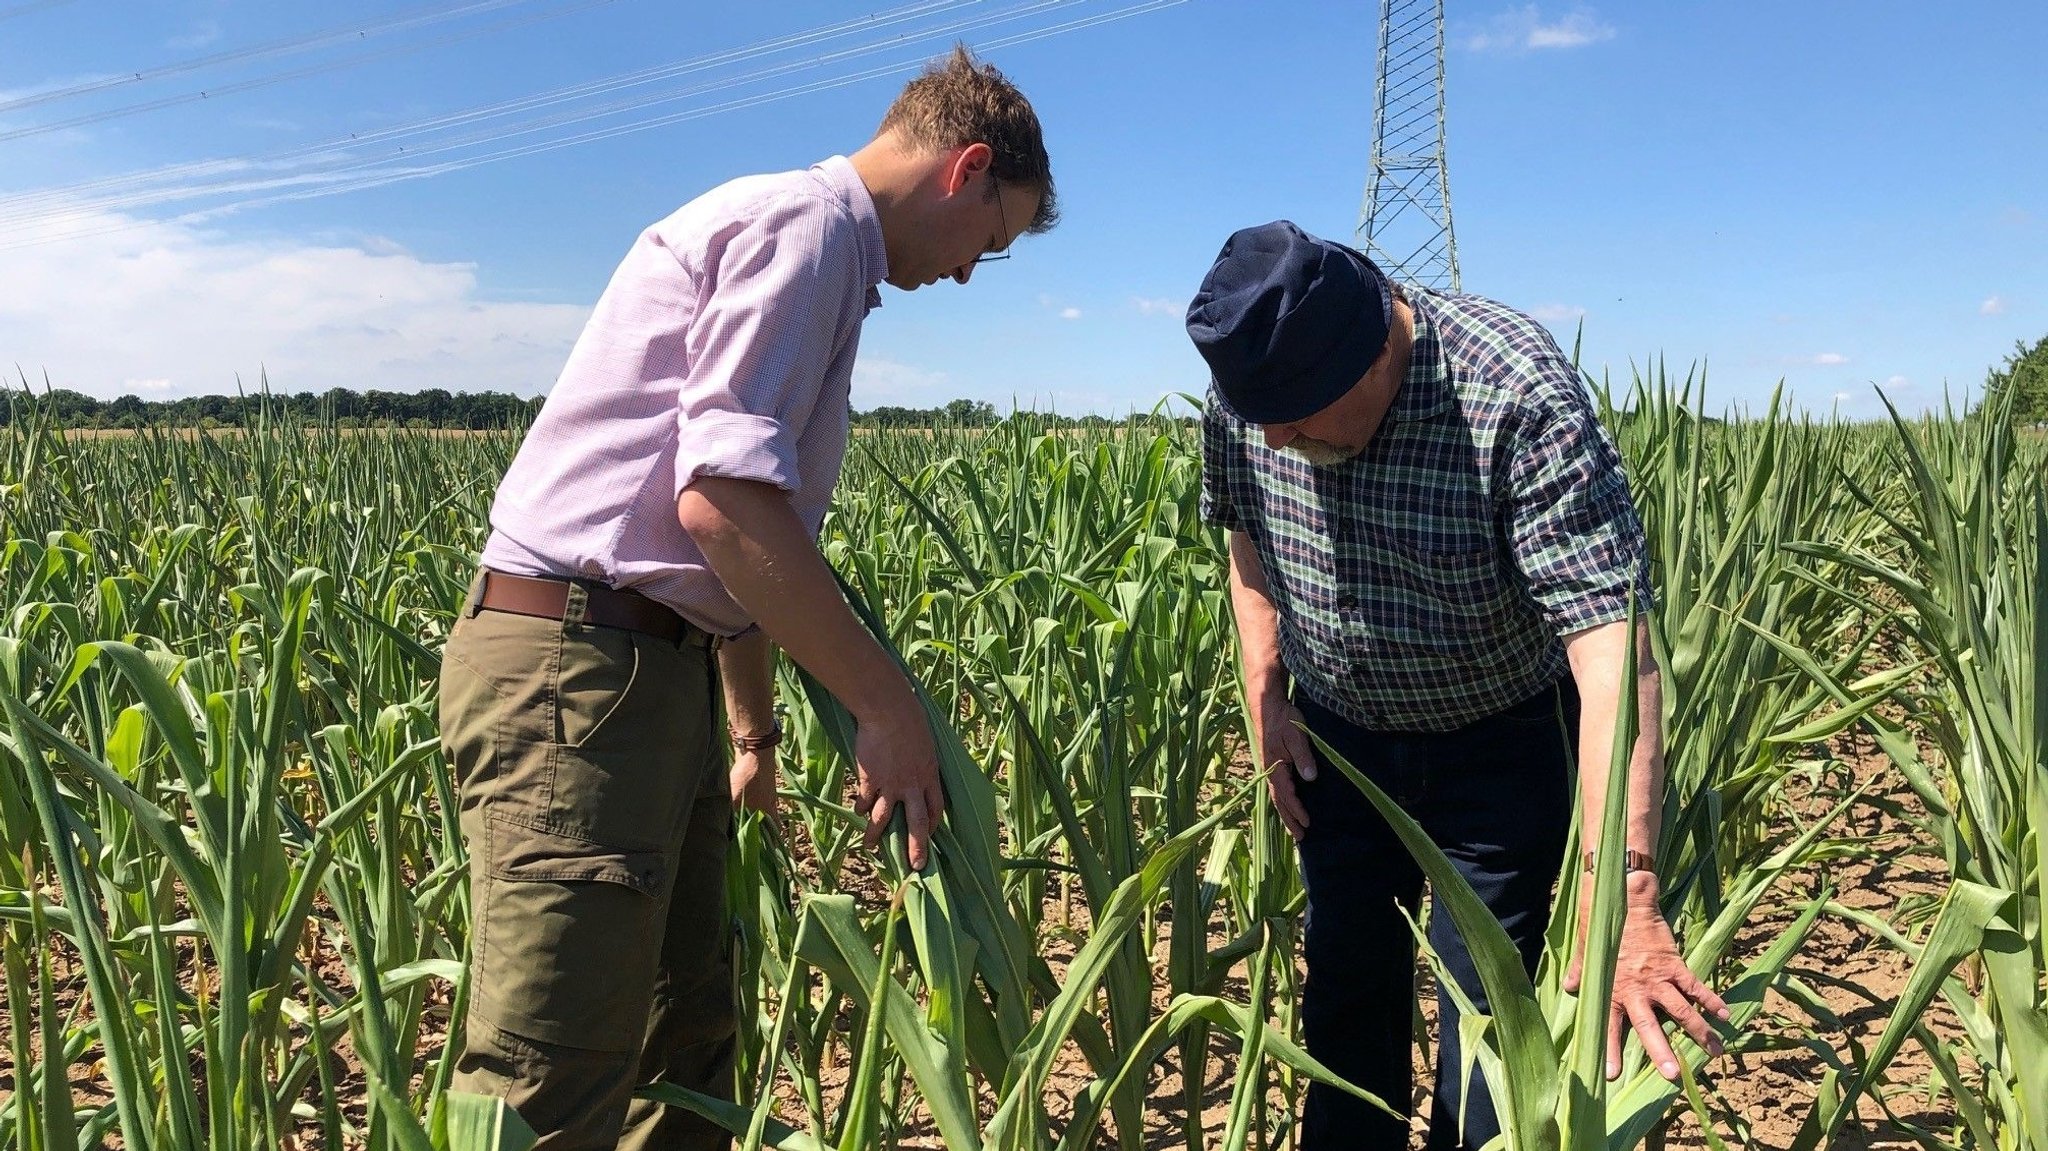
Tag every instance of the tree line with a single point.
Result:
(434, 408)
(2025, 375)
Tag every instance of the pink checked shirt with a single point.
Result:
(722, 347)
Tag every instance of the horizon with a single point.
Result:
(1763, 208)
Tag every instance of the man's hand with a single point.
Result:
(769, 561)
(1649, 976)
(1286, 751)
(753, 780)
(898, 767)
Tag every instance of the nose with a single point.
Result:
(963, 273)
(1278, 435)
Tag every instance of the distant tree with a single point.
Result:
(2024, 378)
(434, 405)
(973, 413)
(123, 409)
(74, 408)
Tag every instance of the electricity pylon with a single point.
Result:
(1404, 225)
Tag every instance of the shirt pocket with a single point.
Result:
(1444, 590)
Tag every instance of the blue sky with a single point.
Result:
(1838, 195)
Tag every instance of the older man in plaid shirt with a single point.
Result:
(1428, 531)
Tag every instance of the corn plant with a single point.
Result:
(1973, 538)
(232, 891)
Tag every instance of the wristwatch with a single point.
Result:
(1631, 860)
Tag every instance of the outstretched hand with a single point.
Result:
(1650, 976)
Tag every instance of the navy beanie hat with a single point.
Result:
(1287, 322)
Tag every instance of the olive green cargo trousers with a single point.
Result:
(594, 803)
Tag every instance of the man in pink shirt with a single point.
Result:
(655, 534)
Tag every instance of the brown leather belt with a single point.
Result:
(603, 606)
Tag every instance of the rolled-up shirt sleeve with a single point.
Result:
(1575, 534)
(765, 333)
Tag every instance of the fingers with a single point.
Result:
(1642, 1013)
(923, 804)
(1301, 751)
(1646, 1011)
(1280, 781)
(1289, 752)
(918, 816)
(1701, 994)
(1680, 1010)
(880, 808)
(1616, 1023)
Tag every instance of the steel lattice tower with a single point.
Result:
(1404, 225)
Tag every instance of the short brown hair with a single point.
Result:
(960, 101)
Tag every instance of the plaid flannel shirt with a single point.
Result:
(1426, 583)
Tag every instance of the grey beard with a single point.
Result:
(1320, 454)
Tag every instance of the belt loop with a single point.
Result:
(575, 605)
(475, 602)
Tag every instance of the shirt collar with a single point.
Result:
(1426, 389)
(838, 173)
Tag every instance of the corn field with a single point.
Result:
(232, 893)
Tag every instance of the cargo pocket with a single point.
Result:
(568, 938)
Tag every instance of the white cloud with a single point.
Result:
(1842, 397)
(879, 381)
(1524, 29)
(1897, 382)
(1052, 303)
(177, 309)
(1994, 306)
(206, 33)
(1558, 313)
(1829, 359)
(1158, 306)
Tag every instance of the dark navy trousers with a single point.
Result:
(1496, 797)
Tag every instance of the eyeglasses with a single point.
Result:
(992, 257)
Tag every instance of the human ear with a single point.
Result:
(968, 162)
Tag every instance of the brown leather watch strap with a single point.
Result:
(1631, 860)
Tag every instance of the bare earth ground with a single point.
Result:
(1755, 1097)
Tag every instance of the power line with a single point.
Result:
(31, 6)
(331, 164)
(389, 174)
(414, 19)
(359, 140)
(219, 90)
